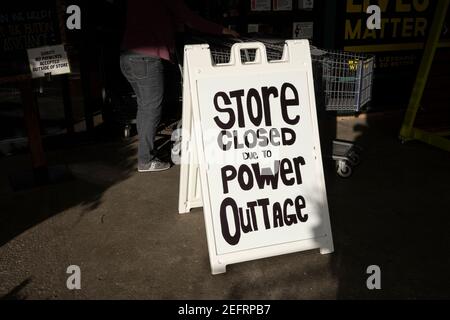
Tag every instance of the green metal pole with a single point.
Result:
(425, 67)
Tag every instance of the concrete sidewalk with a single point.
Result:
(123, 230)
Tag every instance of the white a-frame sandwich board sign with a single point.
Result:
(251, 154)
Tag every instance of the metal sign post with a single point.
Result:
(408, 131)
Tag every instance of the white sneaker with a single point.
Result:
(155, 165)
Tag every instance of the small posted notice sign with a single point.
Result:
(281, 5)
(261, 5)
(257, 143)
(48, 60)
(303, 30)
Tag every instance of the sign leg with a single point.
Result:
(327, 248)
(218, 269)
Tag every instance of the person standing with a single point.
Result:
(149, 39)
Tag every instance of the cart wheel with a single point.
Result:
(176, 153)
(344, 169)
(127, 132)
(355, 159)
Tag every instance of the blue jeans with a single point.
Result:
(146, 76)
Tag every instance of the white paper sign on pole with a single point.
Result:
(252, 28)
(48, 60)
(306, 4)
(261, 5)
(258, 151)
(303, 30)
(282, 5)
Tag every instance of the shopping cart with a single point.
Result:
(343, 83)
(347, 79)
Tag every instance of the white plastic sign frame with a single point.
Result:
(201, 80)
(48, 60)
(190, 194)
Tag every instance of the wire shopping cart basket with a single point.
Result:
(345, 77)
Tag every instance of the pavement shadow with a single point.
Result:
(95, 169)
(392, 213)
(16, 293)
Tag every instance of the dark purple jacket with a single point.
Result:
(151, 26)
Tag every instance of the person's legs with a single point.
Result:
(146, 76)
